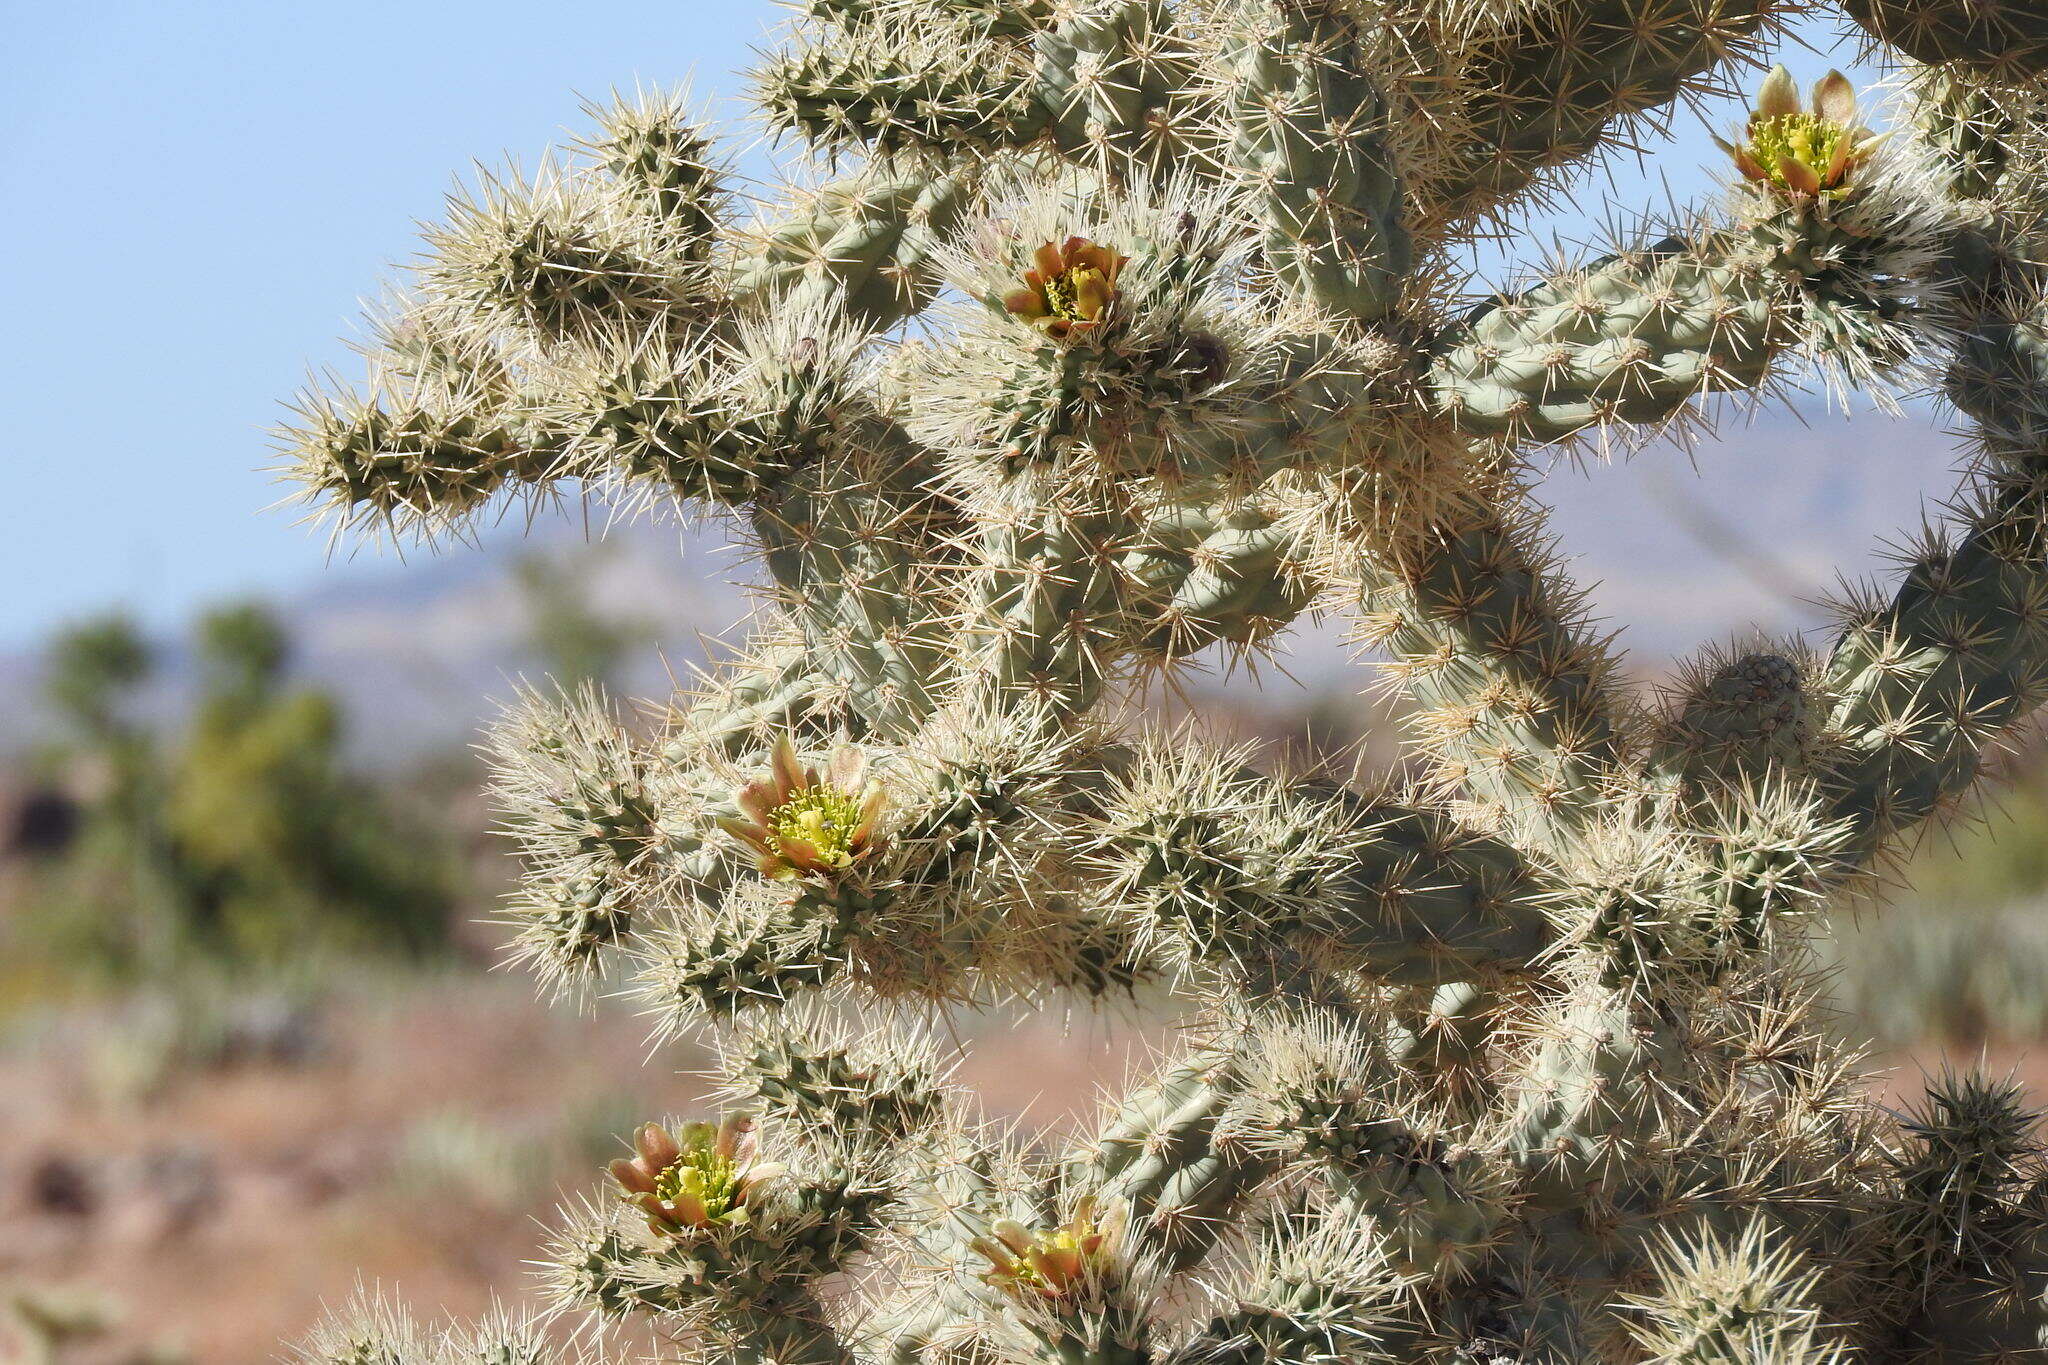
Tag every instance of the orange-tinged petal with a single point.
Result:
(1834, 99)
(751, 835)
(1779, 97)
(787, 767)
(1091, 296)
(631, 1177)
(1090, 256)
(656, 1147)
(1838, 164)
(760, 798)
(1800, 177)
(732, 1130)
(1750, 166)
(1051, 264)
(1058, 1266)
(1025, 303)
(849, 765)
(802, 854)
(689, 1210)
(871, 808)
(1012, 1233)
(761, 1172)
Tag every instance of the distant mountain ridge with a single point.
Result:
(421, 649)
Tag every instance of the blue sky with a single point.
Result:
(198, 195)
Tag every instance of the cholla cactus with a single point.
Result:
(1131, 330)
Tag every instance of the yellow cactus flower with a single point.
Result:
(1052, 1263)
(803, 823)
(1072, 289)
(1809, 155)
(700, 1178)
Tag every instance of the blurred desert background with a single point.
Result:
(252, 1046)
(251, 1043)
